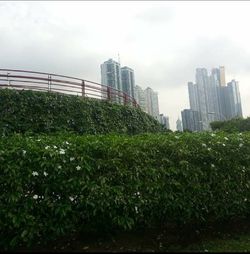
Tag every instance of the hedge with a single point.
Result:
(53, 186)
(233, 125)
(46, 112)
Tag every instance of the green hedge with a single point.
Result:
(233, 125)
(40, 112)
(52, 186)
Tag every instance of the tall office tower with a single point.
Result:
(140, 97)
(193, 96)
(152, 103)
(222, 76)
(179, 125)
(128, 81)
(111, 76)
(191, 120)
(234, 108)
(212, 98)
(164, 120)
(202, 81)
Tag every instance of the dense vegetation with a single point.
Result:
(55, 185)
(233, 125)
(37, 112)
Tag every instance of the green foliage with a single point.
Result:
(233, 125)
(52, 186)
(37, 112)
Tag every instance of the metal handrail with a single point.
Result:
(33, 80)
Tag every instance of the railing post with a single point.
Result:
(83, 88)
(49, 82)
(108, 93)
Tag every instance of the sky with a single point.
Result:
(162, 41)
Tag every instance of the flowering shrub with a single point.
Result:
(52, 186)
(40, 112)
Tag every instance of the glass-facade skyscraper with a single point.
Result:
(212, 99)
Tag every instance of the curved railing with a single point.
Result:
(40, 81)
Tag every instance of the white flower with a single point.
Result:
(59, 167)
(47, 147)
(66, 142)
(136, 209)
(240, 145)
(45, 173)
(35, 197)
(209, 149)
(176, 137)
(24, 152)
(245, 199)
(71, 158)
(204, 145)
(38, 140)
(225, 138)
(78, 167)
(223, 144)
(55, 147)
(213, 135)
(212, 165)
(35, 173)
(71, 198)
(62, 151)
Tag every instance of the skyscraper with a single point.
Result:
(234, 100)
(164, 120)
(111, 77)
(140, 97)
(128, 81)
(179, 125)
(152, 103)
(148, 101)
(222, 76)
(212, 98)
(191, 120)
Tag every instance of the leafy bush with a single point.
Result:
(39, 112)
(52, 186)
(233, 125)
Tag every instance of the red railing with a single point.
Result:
(40, 81)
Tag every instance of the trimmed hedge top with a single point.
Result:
(41, 112)
(233, 125)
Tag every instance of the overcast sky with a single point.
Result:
(163, 41)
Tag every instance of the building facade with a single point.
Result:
(179, 125)
(111, 77)
(191, 120)
(212, 98)
(128, 81)
(164, 120)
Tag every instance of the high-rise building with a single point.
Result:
(111, 77)
(212, 98)
(193, 96)
(140, 97)
(164, 120)
(152, 103)
(222, 76)
(179, 125)
(234, 100)
(128, 81)
(148, 101)
(191, 120)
